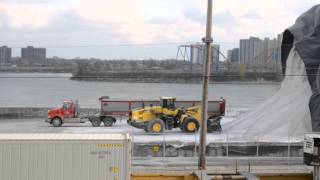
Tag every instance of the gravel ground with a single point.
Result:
(39, 126)
(36, 125)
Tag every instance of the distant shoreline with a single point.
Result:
(164, 77)
(34, 70)
(183, 78)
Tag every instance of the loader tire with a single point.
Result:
(108, 121)
(155, 126)
(96, 122)
(190, 125)
(56, 122)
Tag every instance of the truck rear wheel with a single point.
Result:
(214, 128)
(190, 125)
(96, 122)
(56, 122)
(214, 124)
(155, 126)
(108, 121)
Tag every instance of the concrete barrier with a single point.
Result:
(34, 112)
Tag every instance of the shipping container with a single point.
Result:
(65, 156)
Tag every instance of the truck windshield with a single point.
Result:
(65, 105)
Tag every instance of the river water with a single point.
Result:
(49, 89)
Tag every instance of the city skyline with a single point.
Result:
(262, 50)
(98, 22)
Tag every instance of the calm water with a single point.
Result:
(42, 90)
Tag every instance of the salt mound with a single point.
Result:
(286, 113)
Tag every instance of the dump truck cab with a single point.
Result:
(69, 108)
(68, 112)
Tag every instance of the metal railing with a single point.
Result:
(173, 145)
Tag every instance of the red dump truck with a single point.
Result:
(111, 109)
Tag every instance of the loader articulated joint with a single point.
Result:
(139, 125)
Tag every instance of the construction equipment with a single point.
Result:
(70, 112)
(111, 110)
(155, 119)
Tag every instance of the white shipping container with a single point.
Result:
(65, 156)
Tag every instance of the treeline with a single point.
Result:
(146, 70)
(167, 66)
(88, 66)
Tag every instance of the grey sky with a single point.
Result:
(66, 23)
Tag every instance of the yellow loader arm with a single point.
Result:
(194, 112)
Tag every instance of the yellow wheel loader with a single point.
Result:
(166, 116)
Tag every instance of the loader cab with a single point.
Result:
(168, 102)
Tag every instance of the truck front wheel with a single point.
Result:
(56, 122)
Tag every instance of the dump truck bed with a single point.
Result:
(110, 107)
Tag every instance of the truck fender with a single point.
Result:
(215, 119)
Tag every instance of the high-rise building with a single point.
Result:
(215, 57)
(229, 54)
(265, 49)
(5, 55)
(277, 55)
(197, 53)
(36, 55)
(250, 50)
(233, 55)
(271, 50)
(261, 54)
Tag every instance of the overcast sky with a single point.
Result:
(62, 24)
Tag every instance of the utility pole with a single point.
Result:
(206, 74)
